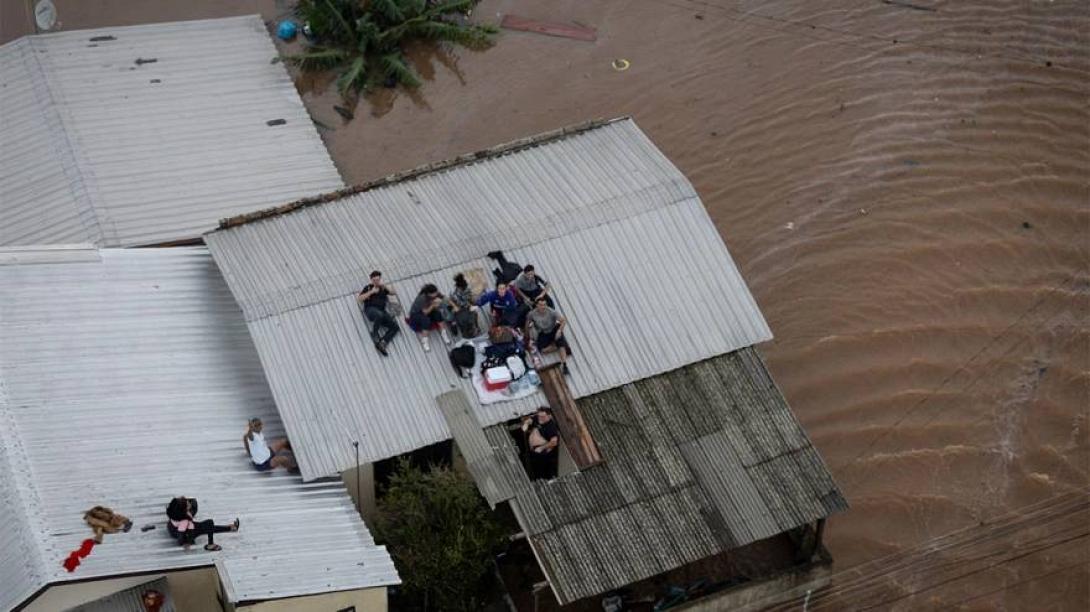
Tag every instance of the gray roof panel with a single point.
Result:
(139, 363)
(105, 150)
(603, 195)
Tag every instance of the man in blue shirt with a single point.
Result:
(504, 305)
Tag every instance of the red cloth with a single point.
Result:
(85, 548)
(72, 562)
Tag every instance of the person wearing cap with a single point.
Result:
(373, 299)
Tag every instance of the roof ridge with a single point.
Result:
(400, 177)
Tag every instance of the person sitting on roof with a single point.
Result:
(184, 528)
(542, 439)
(463, 310)
(545, 331)
(374, 299)
(504, 304)
(267, 456)
(425, 315)
(529, 286)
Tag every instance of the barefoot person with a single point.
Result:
(267, 455)
(184, 528)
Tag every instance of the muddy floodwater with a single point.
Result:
(904, 186)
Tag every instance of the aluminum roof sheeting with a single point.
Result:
(147, 134)
(128, 381)
(321, 571)
(130, 600)
(697, 461)
(636, 265)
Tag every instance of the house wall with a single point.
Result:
(364, 600)
(755, 596)
(366, 504)
(192, 591)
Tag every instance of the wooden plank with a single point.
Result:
(569, 419)
(549, 28)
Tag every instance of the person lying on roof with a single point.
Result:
(504, 305)
(529, 286)
(374, 299)
(267, 456)
(425, 315)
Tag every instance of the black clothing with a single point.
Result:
(544, 465)
(206, 527)
(548, 431)
(381, 322)
(547, 339)
(378, 300)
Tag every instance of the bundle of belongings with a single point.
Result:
(498, 366)
(104, 520)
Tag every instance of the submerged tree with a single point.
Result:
(364, 39)
(442, 538)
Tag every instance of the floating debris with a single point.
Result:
(620, 65)
(140, 61)
(101, 38)
(273, 122)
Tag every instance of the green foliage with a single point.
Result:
(442, 538)
(364, 40)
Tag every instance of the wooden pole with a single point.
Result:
(573, 429)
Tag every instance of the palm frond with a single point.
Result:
(319, 58)
(353, 78)
(394, 66)
(472, 36)
(450, 7)
(412, 8)
(388, 9)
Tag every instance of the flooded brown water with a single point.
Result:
(905, 187)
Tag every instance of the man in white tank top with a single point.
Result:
(267, 455)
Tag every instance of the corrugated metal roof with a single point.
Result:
(675, 485)
(636, 265)
(130, 600)
(127, 381)
(146, 134)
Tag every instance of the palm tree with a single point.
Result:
(363, 39)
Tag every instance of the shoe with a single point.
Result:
(424, 343)
(380, 346)
(445, 335)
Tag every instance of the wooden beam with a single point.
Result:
(549, 28)
(573, 429)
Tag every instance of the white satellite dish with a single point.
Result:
(45, 14)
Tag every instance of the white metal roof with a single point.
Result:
(637, 266)
(147, 134)
(127, 379)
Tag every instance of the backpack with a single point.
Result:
(462, 357)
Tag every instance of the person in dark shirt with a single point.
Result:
(543, 438)
(373, 301)
(425, 315)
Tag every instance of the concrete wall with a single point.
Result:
(192, 590)
(366, 504)
(754, 596)
(365, 600)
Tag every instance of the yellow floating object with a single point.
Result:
(620, 65)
